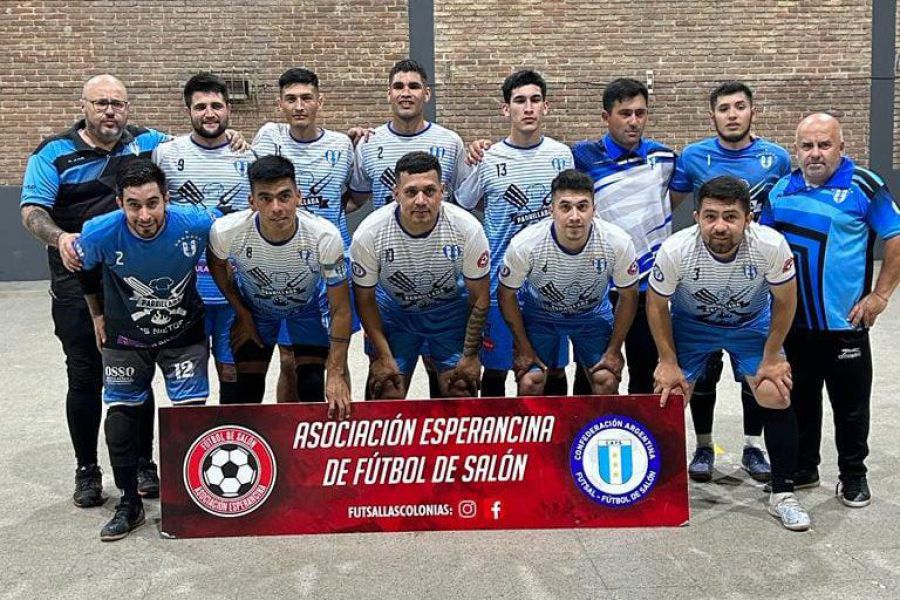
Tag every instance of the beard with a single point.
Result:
(733, 138)
(210, 135)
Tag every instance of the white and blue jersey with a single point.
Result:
(215, 178)
(631, 190)
(373, 169)
(150, 296)
(831, 231)
(323, 167)
(515, 184)
(760, 165)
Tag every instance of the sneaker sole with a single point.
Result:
(855, 503)
(797, 486)
(99, 502)
(119, 536)
(150, 494)
(760, 477)
(700, 477)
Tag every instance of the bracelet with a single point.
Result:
(877, 295)
(338, 340)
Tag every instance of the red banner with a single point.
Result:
(495, 463)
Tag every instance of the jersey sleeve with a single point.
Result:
(781, 266)
(364, 263)
(516, 265)
(625, 271)
(681, 180)
(221, 235)
(476, 256)
(263, 142)
(665, 273)
(89, 247)
(883, 214)
(41, 182)
(462, 170)
(331, 255)
(359, 180)
(470, 190)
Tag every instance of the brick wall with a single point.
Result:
(897, 96)
(798, 56)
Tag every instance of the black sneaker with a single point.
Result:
(129, 516)
(854, 491)
(148, 480)
(803, 480)
(88, 487)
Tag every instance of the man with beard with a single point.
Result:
(731, 286)
(734, 150)
(201, 168)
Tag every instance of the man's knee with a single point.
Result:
(604, 382)
(532, 383)
(768, 396)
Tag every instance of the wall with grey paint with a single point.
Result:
(22, 257)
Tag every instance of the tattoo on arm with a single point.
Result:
(474, 328)
(41, 225)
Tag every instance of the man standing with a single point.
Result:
(631, 189)
(149, 313)
(513, 179)
(69, 179)
(420, 273)
(734, 150)
(282, 257)
(201, 168)
(563, 267)
(721, 276)
(829, 210)
(323, 161)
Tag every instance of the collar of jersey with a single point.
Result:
(615, 151)
(413, 235)
(312, 141)
(566, 250)
(408, 135)
(125, 139)
(841, 179)
(208, 148)
(725, 150)
(269, 242)
(531, 147)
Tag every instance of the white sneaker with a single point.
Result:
(788, 510)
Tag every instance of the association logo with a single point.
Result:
(766, 160)
(750, 271)
(483, 259)
(615, 461)
(229, 471)
(658, 274)
(358, 269)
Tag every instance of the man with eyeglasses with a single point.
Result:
(69, 179)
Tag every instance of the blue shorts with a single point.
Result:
(128, 374)
(438, 334)
(298, 330)
(497, 346)
(589, 336)
(355, 325)
(696, 342)
(219, 319)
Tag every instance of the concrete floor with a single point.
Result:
(732, 549)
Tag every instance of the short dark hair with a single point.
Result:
(728, 88)
(725, 188)
(417, 162)
(623, 89)
(205, 82)
(522, 78)
(298, 75)
(573, 181)
(270, 168)
(407, 65)
(138, 172)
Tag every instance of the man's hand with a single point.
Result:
(337, 393)
(244, 330)
(867, 310)
(386, 374)
(99, 331)
(466, 375)
(66, 245)
(524, 361)
(359, 134)
(475, 151)
(668, 377)
(236, 141)
(612, 361)
(778, 371)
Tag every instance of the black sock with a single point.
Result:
(557, 384)
(582, 385)
(780, 429)
(753, 424)
(493, 383)
(229, 392)
(703, 406)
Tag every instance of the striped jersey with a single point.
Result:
(515, 184)
(373, 170)
(323, 168)
(831, 230)
(282, 279)
(418, 273)
(215, 178)
(631, 190)
(760, 165)
(724, 294)
(561, 285)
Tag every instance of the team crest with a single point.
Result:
(633, 268)
(600, 265)
(358, 270)
(615, 461)
(188, 246)
(439, 152)
(839, 195)
(241, 167)
(750, 271)
(504, 272)
(788, 265)
(483, 259)
(766, 160)
(333, 156)
(452, 251)
(657, 273)
(559, 163)
(229, 471)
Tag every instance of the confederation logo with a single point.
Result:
(615, 461)
(229, 471)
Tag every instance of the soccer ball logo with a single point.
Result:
(229, 471)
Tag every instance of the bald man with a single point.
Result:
(70, 178)
(828, 210)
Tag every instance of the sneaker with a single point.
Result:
(854, 491)
(787, 509)
(88, 487)
(129, 516)
(755, 463)
(701, 467)
(803, 480)
(148, 480)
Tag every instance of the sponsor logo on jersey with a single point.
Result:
(615, 461)
(229, 471)
(724, 307)
(160, 299)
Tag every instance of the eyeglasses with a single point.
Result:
(104, 104)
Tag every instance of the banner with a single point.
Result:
(492, 463)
